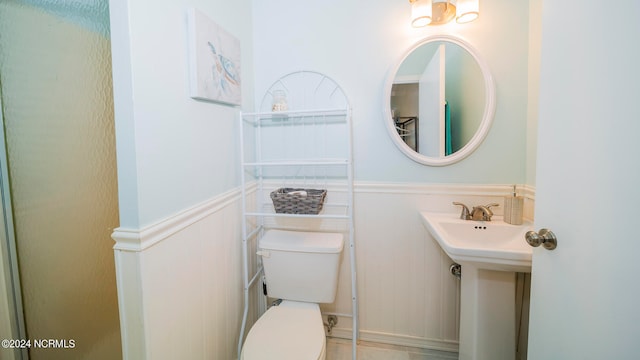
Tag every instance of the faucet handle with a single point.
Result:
(482, 212)
(489, 206)
(465, 214)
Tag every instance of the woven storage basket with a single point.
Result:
(286, 203)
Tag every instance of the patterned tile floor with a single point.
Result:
(340, 349)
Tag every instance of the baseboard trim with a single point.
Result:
(137, 240)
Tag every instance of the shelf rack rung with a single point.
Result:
(297, 113)
(320, 162)
(310, 216)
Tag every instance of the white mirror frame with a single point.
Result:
(487, 117)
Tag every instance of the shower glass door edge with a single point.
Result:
(9, 270)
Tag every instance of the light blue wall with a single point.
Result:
(356, 45)
(535, 45)
(173, 151)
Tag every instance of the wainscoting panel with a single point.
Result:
(180, 284)
(407, 295)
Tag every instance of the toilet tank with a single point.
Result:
(301, 266)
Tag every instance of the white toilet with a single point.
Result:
(301, 268)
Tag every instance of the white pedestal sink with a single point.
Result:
(490, 252)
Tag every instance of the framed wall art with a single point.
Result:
(214, 61)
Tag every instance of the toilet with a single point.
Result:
(301, 269)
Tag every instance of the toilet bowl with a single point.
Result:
(290, 331)
(301, 268)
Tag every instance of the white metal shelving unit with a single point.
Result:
(309, 145)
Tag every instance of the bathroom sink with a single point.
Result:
(489, 245)
(490, 253)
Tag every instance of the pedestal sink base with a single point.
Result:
(490, 252)
(487, 316)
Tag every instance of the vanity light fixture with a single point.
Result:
(421, 11)
(468, 10)
(437, 12)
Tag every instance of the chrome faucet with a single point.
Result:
(478, 213)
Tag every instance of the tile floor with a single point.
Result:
(340, 349)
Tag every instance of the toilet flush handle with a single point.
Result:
(264, 253)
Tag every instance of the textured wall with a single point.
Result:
(57, 102)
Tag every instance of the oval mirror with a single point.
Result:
(439, 101)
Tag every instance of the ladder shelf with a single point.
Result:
(307, 146)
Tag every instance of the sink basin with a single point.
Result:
(490, 245)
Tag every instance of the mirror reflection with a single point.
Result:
(438, 99)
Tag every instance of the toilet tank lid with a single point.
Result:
(300, 241)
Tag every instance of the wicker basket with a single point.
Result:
(290, 201)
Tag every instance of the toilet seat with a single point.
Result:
(291, 331)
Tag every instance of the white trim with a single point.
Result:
(406, 79)
(444, 189)
(140, 239)
(395, 339)
(131, 307)
(528, 191)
